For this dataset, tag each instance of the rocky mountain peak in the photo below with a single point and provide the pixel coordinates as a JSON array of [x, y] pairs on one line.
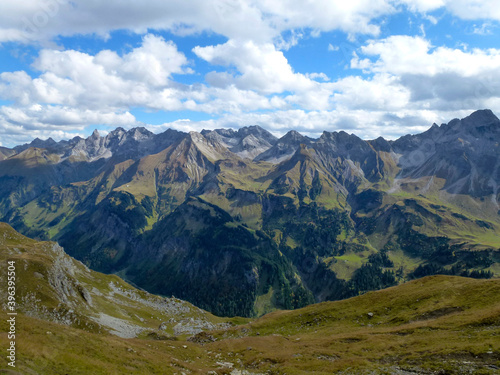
[[211, 148], [258, 132], [480, 118], [247, 142], [222, 132], [284, 148], [38, 143], [119, 131], [140, 133], [294, 136], [477, 124], [342, 142], [381, 144]]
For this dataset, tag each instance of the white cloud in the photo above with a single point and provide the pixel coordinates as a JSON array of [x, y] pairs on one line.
[[464, 9], [260, 67], [259, 20], [57, 117], [142, 78], [383, 92], [22, 125], [423, 5], [317, 76], [484, 29], [402, 54], [426, 78], [349, 16], [72, 78], [474, 9]]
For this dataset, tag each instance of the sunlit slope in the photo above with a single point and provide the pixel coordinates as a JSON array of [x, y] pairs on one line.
[[437, 324]]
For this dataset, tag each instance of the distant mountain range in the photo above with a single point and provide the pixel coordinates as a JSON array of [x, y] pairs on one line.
[[242, 223]]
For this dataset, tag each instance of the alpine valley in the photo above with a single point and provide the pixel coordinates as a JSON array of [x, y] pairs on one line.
[[241, 223]]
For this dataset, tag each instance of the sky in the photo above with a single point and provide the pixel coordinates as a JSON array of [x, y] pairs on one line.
[[369, 67]]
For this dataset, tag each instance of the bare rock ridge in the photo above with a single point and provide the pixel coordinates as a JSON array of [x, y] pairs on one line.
[[247, 142], [284, 148], [463, 152]]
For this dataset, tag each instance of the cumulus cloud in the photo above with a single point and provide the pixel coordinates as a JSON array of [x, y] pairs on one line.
[[20, 125], [142, 78], [74, 78], [260, 67], [382, 92], [401, 54], [474, 9], [464, 9], [436, 77], [423, 5], [259, 20], [263, 69]]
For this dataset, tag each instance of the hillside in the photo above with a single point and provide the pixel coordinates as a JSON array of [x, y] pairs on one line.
[[434, 325], [296, 220], [54, 287]]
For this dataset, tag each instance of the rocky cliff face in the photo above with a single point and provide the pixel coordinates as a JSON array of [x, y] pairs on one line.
[[247, 142], [465, 153], [283, 148]]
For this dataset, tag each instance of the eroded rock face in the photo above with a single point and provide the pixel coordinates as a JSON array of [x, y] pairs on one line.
[[465, 153], [61, 277], [284, 148], [248, 142]]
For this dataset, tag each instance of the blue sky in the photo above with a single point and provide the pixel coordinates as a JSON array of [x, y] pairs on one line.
[[369, 67]]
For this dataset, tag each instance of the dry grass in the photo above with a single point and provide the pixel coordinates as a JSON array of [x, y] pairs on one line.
[[439, 323]]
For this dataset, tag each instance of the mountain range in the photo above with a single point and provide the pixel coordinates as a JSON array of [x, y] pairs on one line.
[[243, 223]]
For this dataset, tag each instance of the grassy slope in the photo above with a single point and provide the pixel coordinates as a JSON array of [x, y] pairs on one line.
[[460, 214], [53, 286], [444, 323], [449, 324], [434, 323]]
